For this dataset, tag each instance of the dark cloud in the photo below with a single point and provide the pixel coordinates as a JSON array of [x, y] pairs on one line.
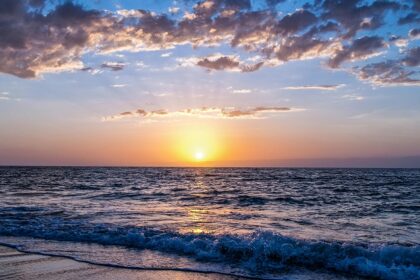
[[141, 112], [10, 8], [393, 72], [71, 15], [413, 57], [273, 3], [160, 112], [36, 3], [114, 66], [301, 47], [228, 63], [387, 73], [416, 5], [34, 41], [355, 15], [410, 18], [360, 48], [414, 33], [220, 63], [252, 67], [295, 22]]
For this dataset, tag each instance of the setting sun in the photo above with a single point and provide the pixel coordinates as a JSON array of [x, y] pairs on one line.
[[198, 144], [199, 156]]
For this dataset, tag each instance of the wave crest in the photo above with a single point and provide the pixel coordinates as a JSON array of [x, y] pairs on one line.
[[260, 252]]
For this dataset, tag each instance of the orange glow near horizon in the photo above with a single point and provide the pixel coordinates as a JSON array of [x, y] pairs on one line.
[[198, 145]]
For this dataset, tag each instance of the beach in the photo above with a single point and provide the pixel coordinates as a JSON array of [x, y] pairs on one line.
[[22, 266]]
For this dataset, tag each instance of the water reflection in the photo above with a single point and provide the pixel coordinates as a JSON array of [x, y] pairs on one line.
[[198, 216]]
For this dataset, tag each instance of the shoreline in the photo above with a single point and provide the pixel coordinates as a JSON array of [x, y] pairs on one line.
[[15, 264]]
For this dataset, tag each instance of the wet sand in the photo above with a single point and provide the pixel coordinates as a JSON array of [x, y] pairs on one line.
[[15, 265]]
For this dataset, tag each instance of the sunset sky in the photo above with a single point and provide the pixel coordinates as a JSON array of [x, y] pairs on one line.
[[214, 82]]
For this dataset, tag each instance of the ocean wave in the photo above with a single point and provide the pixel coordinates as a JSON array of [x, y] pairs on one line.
[[259, 252]]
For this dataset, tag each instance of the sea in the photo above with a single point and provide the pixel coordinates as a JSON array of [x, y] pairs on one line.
[[263, 223]]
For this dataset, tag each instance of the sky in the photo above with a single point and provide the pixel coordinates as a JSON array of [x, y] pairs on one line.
[[212, 82]]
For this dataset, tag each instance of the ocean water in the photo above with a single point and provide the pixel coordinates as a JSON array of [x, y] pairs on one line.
[[273, 223]]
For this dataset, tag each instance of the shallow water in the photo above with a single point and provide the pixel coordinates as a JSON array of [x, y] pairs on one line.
[[245, 221]]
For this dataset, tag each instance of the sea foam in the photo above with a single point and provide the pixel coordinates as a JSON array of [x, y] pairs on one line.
[[259, 253]]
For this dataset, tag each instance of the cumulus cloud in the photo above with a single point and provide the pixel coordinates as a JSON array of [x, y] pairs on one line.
[[354, 15], [413, 57], [410, 18], [259, 112], [361, 48], [35, 40], [315, 87], [32, 43], [393, 72], [387, 73], [414, 33]]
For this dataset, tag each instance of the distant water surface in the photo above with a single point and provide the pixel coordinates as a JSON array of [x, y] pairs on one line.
[[254, 222]]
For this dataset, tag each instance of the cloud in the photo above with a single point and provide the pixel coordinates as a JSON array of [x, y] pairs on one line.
[[36, 40], [231, 63], [119, 85], [402, 72], [252, 112], [33, 43], [273, 3], [399, 42], [5, 96], [413, 57], [173, 10], [414, 33], [220, 63], [315, 87], [295, 22], [361, 48], [167, 54], [353, 97], [354, 15], [91, 70], [114, 66], [389, 73], [242, 91], [206, 112], [410, 18]]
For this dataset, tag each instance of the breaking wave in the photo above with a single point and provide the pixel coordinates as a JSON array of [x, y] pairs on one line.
[[258, 253]]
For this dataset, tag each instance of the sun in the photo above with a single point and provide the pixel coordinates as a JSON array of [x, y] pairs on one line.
[[199, 156], [197, 145]]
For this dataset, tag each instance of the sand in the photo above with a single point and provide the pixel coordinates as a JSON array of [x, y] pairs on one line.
[[15, 265]]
